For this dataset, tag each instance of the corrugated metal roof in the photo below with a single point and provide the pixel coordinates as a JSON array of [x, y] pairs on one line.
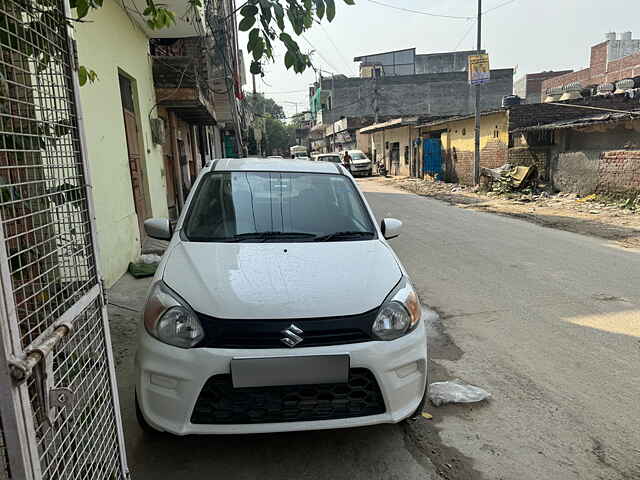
[[396, 122], [583, 122], [460, 117]]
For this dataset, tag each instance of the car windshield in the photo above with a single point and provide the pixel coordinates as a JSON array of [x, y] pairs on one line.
[[330, 158], [277, 207], [358, 156]]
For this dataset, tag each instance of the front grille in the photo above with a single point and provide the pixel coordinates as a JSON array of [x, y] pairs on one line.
[[224, 333], [221, 404]]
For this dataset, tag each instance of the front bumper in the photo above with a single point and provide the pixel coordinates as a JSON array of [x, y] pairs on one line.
[[169, 381]]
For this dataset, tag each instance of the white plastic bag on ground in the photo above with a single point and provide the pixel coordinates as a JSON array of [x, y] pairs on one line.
[[149, 258], [455, 391]]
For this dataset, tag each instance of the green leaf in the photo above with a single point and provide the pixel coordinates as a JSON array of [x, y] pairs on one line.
[[308, 20], [320, 8], [258, 49], [247, 23], [286, 39], [249, 11], [82, 8], [331, 9], [255, 68], [350, 2], [82, 75], [289, 59], [279, 12], [254, 35], [296, 20]]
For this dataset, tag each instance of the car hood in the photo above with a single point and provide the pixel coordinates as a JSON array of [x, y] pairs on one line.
[[282, 280]]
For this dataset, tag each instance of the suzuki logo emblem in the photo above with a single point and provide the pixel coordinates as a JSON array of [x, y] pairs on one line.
[[292, 336]]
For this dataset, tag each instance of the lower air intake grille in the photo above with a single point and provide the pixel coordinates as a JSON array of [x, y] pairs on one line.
[[220, 403]]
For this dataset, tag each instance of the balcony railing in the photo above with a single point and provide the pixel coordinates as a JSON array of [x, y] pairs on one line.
[[182, 80]]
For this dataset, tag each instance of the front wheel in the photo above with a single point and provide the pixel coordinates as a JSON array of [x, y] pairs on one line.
[[370, 172]]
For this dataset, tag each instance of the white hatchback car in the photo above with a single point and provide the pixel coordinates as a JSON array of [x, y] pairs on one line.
[[278, 306]]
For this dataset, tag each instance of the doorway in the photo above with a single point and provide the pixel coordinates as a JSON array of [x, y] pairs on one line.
[[395, 158], [133, 151]]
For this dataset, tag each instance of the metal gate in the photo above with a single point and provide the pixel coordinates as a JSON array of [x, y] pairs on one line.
[[432, 156], [59, 412]]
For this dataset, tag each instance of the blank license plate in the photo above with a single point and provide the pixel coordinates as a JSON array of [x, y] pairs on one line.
[[305, 370]]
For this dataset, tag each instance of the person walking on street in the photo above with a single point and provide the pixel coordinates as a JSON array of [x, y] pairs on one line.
[[346, 160]]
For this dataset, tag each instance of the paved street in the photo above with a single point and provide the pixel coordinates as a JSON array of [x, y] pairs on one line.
[[547, 321]]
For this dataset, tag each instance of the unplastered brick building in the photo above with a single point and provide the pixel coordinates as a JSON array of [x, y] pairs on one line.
[[615, 59]]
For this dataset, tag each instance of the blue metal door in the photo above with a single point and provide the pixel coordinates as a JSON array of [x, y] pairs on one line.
[[432, 161]]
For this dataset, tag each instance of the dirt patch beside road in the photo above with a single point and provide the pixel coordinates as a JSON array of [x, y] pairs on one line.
[[589, 215]]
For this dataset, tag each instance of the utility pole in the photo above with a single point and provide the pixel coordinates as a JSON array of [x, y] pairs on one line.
[[476, 160], [253, 78]]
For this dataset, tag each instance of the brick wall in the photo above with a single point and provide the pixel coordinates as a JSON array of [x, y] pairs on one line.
[[493, 155], [598, 62], [599, 71], [531, 157], [619, 172]]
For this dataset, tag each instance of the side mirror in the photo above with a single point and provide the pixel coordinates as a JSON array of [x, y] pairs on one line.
[[390, 227], [158, 228]]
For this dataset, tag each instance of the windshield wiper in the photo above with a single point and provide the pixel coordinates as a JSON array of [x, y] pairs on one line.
[[269, 235], [343, 235]]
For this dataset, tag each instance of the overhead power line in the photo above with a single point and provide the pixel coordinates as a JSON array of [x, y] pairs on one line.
[[342, 57], [498, 6], [466, 34], [288, 91], [438, 15], [320, 54], [419, 12]]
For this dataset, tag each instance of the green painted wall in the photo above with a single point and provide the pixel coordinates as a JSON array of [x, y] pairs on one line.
[[110, 44]]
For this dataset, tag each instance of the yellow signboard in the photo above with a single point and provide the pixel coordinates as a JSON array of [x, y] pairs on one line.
[[479, 69]]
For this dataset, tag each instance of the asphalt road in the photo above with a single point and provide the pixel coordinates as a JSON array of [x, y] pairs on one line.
[[547, 321]]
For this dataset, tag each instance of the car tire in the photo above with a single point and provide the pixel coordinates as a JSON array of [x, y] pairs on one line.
[[370, 172], [144, 425]]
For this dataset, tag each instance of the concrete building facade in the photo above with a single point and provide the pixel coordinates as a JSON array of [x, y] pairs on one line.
[[127, 171], [151, 120], [434, 94]]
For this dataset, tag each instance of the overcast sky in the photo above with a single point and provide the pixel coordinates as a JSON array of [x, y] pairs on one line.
[[527, 35]]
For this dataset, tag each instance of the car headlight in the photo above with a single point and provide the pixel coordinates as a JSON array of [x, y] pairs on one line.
[[399, 314], [170, 319]]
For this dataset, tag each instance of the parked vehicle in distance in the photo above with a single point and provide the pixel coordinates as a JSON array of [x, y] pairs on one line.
[[360, 163], [327, 157], [303, 157], [276, 157], [298, 151], [258, 322]]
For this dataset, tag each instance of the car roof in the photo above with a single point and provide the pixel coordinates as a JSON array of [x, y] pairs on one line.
[[270, 165]]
